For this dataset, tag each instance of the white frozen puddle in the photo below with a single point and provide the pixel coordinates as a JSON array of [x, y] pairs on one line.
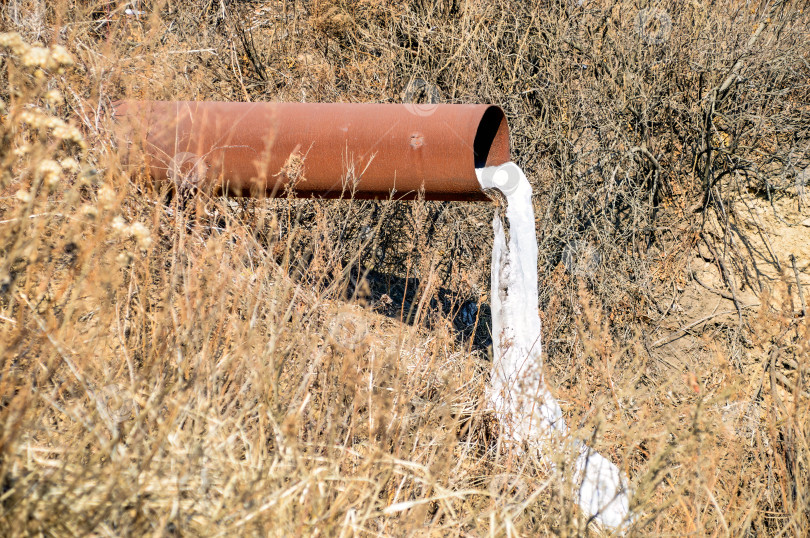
[[527, 411]]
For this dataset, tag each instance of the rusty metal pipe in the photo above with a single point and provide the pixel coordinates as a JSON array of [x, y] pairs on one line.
[[330, 150]]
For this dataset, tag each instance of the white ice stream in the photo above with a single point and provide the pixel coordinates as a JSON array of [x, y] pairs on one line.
[[529, 414]]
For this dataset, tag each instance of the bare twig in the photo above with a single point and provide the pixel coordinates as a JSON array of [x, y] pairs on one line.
[[687, 328], [726, 276], [721, 293], [772, 372], [798, 284], [733, 73]]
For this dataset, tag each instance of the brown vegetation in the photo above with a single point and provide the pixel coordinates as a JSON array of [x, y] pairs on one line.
[[195, 366]]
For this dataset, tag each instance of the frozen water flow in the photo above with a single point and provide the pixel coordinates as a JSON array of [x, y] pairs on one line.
[[526, 409], [500, 178]]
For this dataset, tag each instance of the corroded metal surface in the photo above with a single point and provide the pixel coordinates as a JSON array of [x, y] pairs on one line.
[[324, 149]]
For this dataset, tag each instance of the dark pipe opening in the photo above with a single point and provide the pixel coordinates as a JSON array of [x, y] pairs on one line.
[[491, 145]]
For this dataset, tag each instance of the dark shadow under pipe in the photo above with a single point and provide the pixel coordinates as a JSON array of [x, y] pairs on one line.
[[330, 150]]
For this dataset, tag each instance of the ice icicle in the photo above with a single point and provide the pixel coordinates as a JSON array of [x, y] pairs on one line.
[[527, 410]]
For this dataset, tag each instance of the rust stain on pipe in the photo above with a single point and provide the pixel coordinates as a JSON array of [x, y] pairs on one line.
[[252, 148]]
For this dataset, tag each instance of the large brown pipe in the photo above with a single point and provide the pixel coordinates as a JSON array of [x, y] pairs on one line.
[[259, 148]]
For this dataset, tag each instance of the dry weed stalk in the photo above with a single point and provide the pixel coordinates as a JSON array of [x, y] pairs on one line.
[[201, 366]]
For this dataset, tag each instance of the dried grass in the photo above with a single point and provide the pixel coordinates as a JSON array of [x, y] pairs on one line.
[[203, 366]]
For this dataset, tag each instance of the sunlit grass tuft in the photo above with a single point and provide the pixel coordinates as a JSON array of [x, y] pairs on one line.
[[203, 366]]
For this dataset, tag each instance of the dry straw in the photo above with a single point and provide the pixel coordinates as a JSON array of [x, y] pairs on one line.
[[294, 367]]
